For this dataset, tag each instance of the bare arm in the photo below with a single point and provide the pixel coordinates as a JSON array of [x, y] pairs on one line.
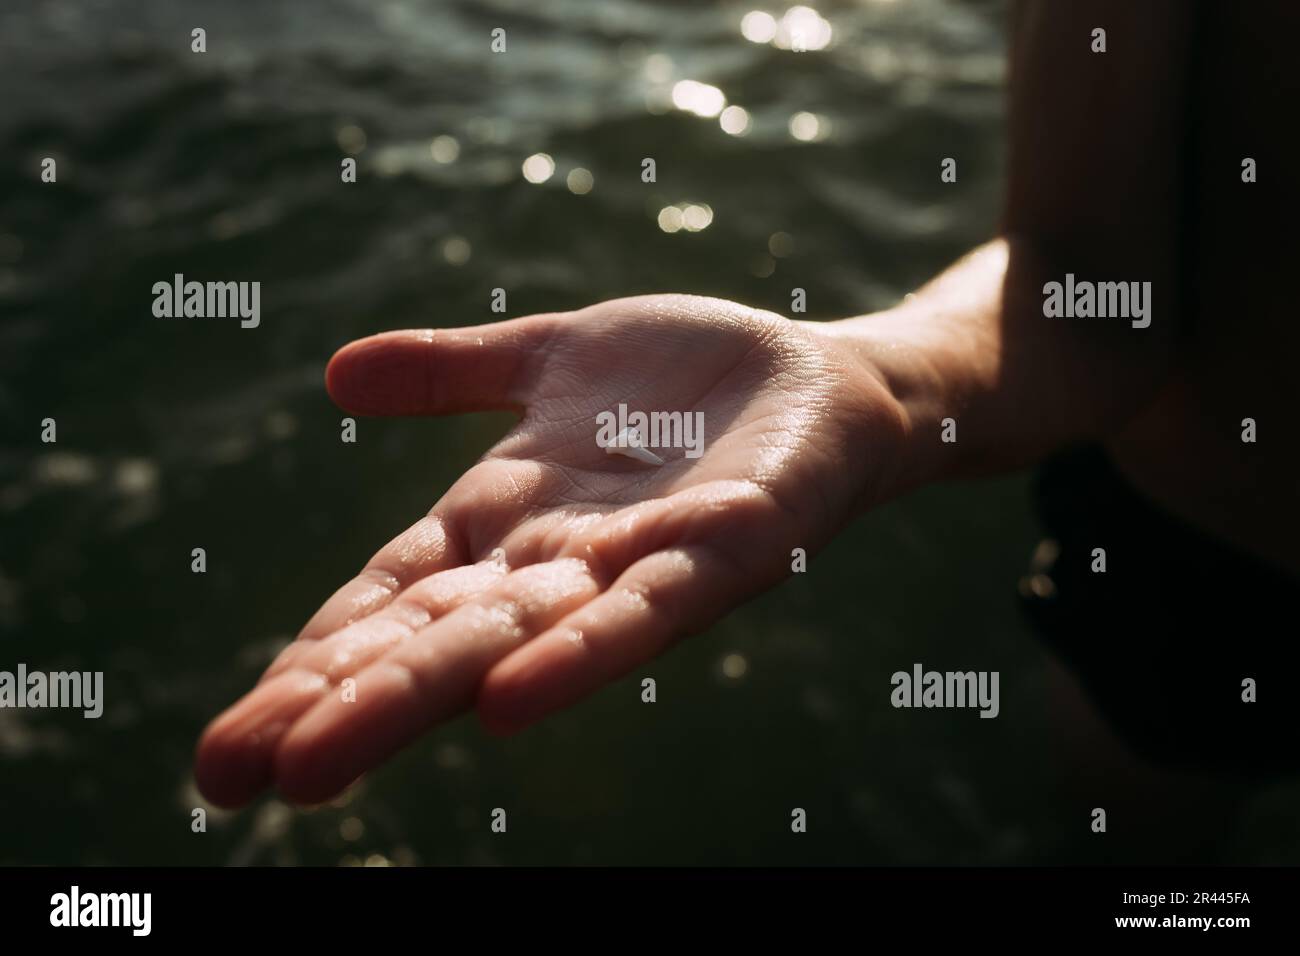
[[1095, 189], [552, 568]]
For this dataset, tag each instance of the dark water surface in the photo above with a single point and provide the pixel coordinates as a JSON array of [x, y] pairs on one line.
[[175, 434]]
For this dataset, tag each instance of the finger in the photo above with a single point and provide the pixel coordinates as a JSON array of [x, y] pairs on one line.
[[425, 548], [675, 580], [427, 678], [440, 371], [479, 512], [348, 651], [234, 758], [655, 602], [232, 763]]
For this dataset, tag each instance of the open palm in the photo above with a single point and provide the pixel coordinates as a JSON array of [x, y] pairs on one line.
[[552, 567]]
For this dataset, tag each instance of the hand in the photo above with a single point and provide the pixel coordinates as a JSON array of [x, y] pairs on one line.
[[601, 561]]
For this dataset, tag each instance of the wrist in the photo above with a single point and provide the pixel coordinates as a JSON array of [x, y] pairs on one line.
[[898, 403]]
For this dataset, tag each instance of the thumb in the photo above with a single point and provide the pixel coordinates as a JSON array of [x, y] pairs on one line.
[[441, 371]]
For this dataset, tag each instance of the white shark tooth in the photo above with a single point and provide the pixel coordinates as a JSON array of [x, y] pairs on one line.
[[628, 444]]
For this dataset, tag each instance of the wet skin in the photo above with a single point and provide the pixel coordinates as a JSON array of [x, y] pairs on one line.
[[607, 560], [1131, 175]]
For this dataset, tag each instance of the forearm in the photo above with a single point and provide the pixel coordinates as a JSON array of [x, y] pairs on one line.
[[1094, 189], [974, 346]]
